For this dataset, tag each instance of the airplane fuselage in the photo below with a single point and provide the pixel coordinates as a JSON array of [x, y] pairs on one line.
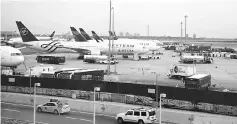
[[119, 47], [11, 57], [151, 45]]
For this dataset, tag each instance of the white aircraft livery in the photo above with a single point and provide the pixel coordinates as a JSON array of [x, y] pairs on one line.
[[82, 48], [84, 37], [14, 41], [11, 57]]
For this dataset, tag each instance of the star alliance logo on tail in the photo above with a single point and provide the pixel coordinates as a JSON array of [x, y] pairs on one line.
[[24, 31]]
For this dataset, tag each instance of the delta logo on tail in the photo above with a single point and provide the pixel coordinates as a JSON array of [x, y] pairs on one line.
[[96, 37], [77, 35], [85, 34]]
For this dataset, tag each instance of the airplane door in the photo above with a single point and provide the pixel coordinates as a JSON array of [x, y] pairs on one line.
[[4, 57]]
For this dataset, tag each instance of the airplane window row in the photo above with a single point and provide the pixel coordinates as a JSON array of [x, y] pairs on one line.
[[16, 54], [144, 43]]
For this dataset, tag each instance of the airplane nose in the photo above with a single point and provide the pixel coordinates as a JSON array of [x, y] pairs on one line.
[[145, 50], [20, 59]]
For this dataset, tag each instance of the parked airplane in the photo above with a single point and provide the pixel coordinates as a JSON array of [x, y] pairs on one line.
[[15, 41], [152, 46], [82, 48], [11, 57], [77, 35]]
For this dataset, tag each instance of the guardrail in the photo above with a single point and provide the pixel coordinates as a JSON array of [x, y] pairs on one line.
[[124, 98]]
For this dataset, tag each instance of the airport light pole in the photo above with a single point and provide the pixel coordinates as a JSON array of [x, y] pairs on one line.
[[30, 79], [35, 85], [113, 41], [95, 89], [185, 29], [181, 36], [108, 72], [181, 31], [156, 85], [148, 30], [161, 95]]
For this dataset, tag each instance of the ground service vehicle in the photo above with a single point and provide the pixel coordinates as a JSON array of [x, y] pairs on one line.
[[196, 59], [50, 59], [148, 56], [106, 61], [181, 71], [233, 56], [99, 59], [55, 106], [139, 115], [198, 81]]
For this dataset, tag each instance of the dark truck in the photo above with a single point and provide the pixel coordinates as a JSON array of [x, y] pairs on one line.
[[198, 81], [51, 59]]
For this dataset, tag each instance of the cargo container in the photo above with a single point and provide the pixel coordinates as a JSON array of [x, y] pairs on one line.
[[37, 70], [198, 81], [83, 74], [181, 71]]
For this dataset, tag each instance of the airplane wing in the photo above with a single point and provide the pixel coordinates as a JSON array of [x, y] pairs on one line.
[[78, 50], [20, 48], [7, 43]]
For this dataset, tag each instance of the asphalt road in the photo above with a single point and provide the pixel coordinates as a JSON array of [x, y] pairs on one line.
[[26, 113]]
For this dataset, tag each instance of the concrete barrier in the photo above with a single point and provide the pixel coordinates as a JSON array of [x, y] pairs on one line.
[[109, 108]]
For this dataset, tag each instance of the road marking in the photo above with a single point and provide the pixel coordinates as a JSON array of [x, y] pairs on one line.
[[17, 104], [71, 118], [71, 111], [25, 120], [11, 110], [86, 120], [107, 115], [92, 113]]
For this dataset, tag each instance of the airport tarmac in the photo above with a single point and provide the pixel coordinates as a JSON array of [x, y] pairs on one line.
[[232, 45], [223, 71]]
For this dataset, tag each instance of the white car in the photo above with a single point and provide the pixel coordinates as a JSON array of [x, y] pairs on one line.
[[106, 61], [54, 107], [139, 115]]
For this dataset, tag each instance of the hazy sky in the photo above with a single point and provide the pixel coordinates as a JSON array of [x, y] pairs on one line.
[[206, 18]]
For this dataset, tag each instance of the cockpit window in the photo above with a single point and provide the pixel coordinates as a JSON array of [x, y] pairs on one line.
[[16, 54]]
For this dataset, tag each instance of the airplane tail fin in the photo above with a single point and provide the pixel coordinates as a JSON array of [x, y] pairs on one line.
[[52, 34], [26, 35], [78, 37], [115, 37], [97, 38], [85, 34]]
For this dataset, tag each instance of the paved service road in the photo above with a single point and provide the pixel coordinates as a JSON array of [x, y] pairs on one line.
[[26, 113]]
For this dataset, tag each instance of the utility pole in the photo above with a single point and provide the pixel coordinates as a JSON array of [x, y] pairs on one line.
[[108, 72]]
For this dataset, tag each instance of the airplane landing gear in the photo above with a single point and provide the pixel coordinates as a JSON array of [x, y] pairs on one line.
[[80, 57]]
